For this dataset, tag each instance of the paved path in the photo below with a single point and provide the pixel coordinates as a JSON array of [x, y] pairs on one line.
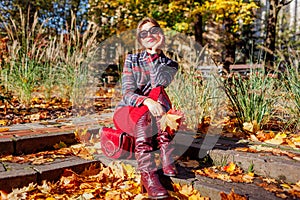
[[36, 137]]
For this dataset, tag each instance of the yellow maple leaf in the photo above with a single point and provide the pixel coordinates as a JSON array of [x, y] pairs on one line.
[[229, 168], [186, 190], [169, 120], [251, 126], [113, 195], [130, 170], [275, 141], [50, 198], [232, 195], [248, 178], [280, 136], [3, 122], [285, 185], [3, 129], [296, 140]]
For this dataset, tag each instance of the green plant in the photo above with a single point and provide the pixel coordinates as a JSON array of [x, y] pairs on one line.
[[252, 98], [251, 167], [195, 96], [52, 64], [20, 73], [292, 85], [23, 78], [221, 160]]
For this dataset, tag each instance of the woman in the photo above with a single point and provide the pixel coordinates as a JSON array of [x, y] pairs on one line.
[[144, 77]]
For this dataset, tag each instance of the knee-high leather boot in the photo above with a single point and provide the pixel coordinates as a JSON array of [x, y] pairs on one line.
[[145, 159], [166, 150]]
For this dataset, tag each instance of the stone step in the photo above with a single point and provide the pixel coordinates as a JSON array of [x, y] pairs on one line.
[[16, 175], [34, 137], [20, 175], [206, 186], [221, 151]]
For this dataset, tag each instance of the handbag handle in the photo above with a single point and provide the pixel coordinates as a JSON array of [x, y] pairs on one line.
[[112, 153]]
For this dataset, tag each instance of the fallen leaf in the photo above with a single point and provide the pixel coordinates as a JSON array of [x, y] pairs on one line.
[[60, 145], [87, 196], [169, 120], [278, 139], [262, 135], [269, 180], [113, 195], [230, 168], [3, 122], [248, 178], [281, 195], [50, 198], [3, 129], [251, 126], [223, 177], [296, 141], [254, 138], [285, 185], [186, 192], [298, 183], [232, 196], [189, 163], [3, 195]]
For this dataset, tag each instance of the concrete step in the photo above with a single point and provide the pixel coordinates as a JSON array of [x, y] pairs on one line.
[[20, 175], [206, 186], [15, 175], [221, 151], [34, 137]]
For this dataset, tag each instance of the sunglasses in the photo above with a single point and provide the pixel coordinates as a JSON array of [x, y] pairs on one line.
[[153, 30]]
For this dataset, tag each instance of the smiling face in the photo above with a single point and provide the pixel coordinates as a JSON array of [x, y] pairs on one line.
[[149, 35]]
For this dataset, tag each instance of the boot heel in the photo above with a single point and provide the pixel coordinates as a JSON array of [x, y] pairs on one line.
[[143, 189], [152, 185]]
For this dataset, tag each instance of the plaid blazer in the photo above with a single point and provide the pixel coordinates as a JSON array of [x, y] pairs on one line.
[[141, 73]]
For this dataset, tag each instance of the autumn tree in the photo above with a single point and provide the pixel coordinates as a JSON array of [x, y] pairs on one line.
[[117, 16], [224, 22], [274, 7], [58, 12]]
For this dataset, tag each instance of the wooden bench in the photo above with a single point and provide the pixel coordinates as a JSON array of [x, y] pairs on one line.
[[244, 69], [207, 71]]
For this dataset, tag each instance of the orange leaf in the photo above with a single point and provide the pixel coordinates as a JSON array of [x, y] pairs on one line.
[[229, 168], [231, 196], [3, 195], [3, 129], [170, 120]]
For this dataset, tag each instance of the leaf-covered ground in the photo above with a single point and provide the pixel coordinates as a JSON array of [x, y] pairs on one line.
[[115, 181], [40, 109], [121, 181], [233, 173]]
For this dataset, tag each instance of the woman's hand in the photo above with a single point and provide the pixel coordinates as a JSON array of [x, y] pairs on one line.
[[158, 46], [154, 107]]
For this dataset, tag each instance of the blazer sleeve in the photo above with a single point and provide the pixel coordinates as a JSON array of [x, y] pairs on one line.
[[129, 85]]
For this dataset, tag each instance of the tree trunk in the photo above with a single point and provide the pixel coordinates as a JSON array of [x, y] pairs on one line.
[[230, 45], [274, 7], [229, 55], [199, 29], [271, 33]]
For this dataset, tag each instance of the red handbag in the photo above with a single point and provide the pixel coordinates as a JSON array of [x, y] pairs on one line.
[[116, 143]]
